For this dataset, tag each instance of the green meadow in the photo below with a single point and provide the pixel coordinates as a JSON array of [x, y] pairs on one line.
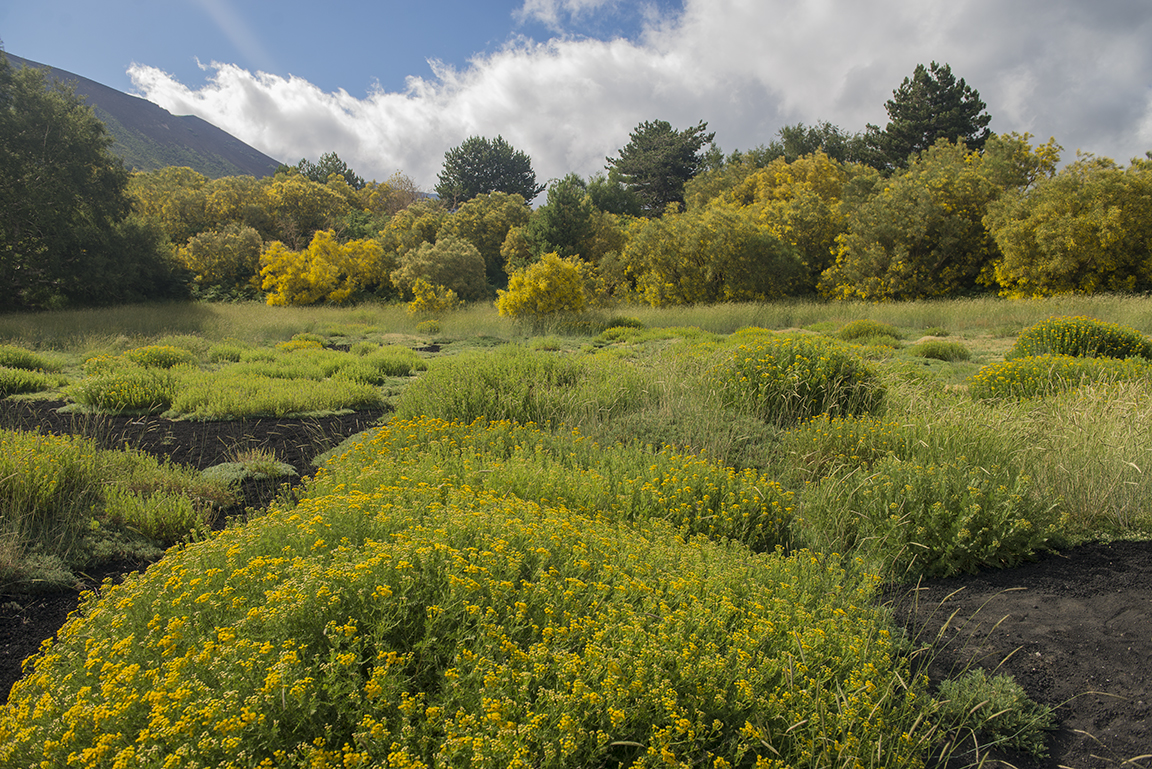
[[650, 538]]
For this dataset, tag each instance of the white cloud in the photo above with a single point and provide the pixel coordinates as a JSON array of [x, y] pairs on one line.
[[1079, 70]]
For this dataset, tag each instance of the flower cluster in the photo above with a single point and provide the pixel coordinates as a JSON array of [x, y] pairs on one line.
[[1080, 336], [1039, 375], [417, 624]]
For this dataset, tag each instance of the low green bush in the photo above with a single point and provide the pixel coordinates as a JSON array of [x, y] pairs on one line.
[[997, 712], [1080, 336], [12, 356], [126, 388], [937, 349], [1040, 375], [14, 381], [233, 393], [786, 378], [905, 519], [160, 356], [864, 329]]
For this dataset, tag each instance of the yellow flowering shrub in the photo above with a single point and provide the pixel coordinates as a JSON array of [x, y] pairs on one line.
[[1035, 376], [547, 287], [1080, 336], [418, 625], [429, 300]]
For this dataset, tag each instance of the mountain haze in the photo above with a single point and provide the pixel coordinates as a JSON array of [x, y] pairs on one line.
[[148, 137]]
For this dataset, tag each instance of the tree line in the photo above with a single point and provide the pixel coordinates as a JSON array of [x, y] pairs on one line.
[[931, 205]]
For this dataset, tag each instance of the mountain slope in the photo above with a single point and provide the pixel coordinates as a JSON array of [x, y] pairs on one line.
[[148, 137]]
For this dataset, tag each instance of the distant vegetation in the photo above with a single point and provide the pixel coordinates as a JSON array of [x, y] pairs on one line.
[[931, 205]]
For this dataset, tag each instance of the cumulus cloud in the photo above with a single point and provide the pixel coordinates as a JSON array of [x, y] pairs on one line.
[[1078, 70]]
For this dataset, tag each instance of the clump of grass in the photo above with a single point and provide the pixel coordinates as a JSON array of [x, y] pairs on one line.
[[14, 357], [430, 327], [160, 356], [259, 464], [233, 393], [14, 381], [118, 388], [1041, 375], [1080, 336], [786, 378], [936, 331], [936, 349], [300, 344], [864, 329], [516, 383]]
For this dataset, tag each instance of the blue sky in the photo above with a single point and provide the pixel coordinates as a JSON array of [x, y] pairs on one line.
[[391, 86]]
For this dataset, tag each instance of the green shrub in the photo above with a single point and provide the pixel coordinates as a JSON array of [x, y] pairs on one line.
[[383, 363], [227, 352], [863, 329], [786, 378], [423, 626], [233, 393], [906, 519], [997, 711], [937, 349], [160, 517], [127, 388], [1040, 375], [14, 381], [160, 356], [1080, 336], [12, 356], [936, 331]]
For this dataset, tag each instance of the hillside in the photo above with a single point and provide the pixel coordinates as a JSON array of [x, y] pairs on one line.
[[149, 137]]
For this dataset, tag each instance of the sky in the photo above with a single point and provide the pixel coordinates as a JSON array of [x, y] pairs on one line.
[[391, 86]]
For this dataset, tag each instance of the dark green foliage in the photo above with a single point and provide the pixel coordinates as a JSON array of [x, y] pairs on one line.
[[997, 710], [564, 224], [610, 194], [658, 160], [65, 235], [330, 163], [482, 165], [929, 106], [1082, 337], [799, 140]]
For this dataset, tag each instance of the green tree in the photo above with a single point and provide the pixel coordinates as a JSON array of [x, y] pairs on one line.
[[481, 165], [329, 163], [715, 255], [63, 202], [921, 235], [609, 194], [658, 160], [805, 203], [484, 221], [550, 286], [799, 140], [226, 259], [450, 262], [927, 107], [565, 224], [1083, 230]]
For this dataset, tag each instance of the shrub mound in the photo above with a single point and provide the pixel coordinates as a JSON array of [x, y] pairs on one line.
[[907, 519], [787, 378], [937, 349], [419, 625], [1082, 337], [1040, 375], [867, 329]]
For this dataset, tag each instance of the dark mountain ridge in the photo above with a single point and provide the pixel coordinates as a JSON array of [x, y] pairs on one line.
[[147, 136]]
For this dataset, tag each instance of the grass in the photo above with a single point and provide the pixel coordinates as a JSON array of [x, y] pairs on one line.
[[596, 541]]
